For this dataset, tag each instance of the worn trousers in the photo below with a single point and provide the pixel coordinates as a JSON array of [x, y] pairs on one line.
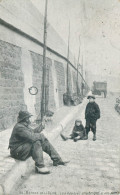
[[90, 124], [35, 150]]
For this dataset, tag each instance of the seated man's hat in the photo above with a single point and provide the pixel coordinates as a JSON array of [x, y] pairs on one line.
[[22, 115]]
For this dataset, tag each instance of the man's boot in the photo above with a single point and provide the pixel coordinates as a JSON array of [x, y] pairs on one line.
[[42, 170], [94, 137]]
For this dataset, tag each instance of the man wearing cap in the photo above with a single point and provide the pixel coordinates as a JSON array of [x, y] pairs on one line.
[[25, 142], [92, 113]]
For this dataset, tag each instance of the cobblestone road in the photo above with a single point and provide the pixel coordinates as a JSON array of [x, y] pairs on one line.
[[93, 167]]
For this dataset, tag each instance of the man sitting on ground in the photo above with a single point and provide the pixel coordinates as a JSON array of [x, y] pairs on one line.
[[25, 142]]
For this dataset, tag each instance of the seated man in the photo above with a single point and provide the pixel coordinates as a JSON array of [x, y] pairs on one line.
[[25, 142]]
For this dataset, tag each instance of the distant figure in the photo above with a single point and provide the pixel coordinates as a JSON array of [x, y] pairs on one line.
[[25, 142], [78, 132], [92, 113]]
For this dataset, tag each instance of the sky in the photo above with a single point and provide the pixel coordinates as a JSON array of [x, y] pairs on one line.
[[97, 23]]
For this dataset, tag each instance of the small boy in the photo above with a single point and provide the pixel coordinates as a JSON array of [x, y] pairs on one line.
[[78, 132], [92, 113]]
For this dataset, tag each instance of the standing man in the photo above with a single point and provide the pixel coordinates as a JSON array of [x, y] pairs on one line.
[[25, 142], [92, 114]]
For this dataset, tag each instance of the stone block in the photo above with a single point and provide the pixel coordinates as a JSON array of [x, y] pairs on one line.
[[11, 77]]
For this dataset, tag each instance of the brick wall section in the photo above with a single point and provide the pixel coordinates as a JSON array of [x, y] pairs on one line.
[[60, 80], [51, 88], [37, 62], [11, 84]]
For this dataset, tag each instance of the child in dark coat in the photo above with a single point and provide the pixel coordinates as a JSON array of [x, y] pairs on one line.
[[92, 114], [78, 132]]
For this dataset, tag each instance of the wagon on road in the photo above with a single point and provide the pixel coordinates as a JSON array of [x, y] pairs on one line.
[[99, 88]]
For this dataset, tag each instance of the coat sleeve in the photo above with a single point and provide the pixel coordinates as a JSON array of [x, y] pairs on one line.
[[27, 133], [97, 111]]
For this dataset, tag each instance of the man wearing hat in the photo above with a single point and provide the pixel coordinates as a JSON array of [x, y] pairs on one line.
[[92, 113], [25, 142]]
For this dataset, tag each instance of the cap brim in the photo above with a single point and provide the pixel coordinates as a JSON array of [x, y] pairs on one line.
[[90, 97]]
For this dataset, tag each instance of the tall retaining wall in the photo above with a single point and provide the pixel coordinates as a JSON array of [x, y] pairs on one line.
[[21, 61]]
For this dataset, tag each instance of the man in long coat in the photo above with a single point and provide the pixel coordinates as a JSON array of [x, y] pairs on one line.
[[25, 142]]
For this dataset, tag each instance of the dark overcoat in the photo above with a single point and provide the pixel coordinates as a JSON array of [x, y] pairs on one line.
[[92, 111]]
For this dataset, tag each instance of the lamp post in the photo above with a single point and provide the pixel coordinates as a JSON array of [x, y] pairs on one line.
[[68, 91], [78, 70], [44, 75], [67, 72]]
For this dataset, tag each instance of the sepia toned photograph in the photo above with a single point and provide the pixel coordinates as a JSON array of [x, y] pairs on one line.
[[59, 97]]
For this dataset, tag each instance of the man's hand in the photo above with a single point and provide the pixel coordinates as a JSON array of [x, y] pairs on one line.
[[39, 128]]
